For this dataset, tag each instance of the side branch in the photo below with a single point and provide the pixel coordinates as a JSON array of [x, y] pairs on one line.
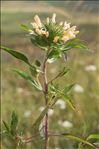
[[56, 77]]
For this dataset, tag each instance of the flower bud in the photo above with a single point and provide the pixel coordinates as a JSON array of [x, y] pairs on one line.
[[47, 21], [53, 18]]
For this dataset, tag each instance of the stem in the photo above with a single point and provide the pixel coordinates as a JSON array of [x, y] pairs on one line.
[[57, 76], [46, 99]]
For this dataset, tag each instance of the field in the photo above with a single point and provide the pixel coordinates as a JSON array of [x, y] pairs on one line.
[[20, 96]]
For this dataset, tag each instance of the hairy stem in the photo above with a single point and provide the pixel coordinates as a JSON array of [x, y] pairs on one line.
[[46, 98]]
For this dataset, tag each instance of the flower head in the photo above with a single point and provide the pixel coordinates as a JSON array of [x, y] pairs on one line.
[[50, 32]]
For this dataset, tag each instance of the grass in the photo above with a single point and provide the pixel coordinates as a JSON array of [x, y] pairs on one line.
[[20, 96]]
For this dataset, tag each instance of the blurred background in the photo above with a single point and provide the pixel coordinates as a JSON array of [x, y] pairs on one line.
[[20, 96]]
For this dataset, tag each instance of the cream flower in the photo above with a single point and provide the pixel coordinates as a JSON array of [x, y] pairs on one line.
[[56, 38], [47, 20], [66, 25], [38, 21], [53, 18], [38, 31]]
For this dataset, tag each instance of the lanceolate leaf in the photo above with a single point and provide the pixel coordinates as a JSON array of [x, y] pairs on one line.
[[16, 54], [65, 71], [69, 102], [14, 123], [80, 140], [25, 28], [34, 71], [27, 77], [68, 88], [6, 126], [93, 136], [75, 43], [40, 118]]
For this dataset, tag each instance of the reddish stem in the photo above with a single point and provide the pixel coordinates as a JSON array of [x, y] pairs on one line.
[[46, 99]]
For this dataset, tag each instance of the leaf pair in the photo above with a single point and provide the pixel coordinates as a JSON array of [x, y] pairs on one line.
[[28, 77], [59, 93], [23, 58]]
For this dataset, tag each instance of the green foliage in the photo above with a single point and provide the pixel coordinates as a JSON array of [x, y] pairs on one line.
[[14, 123], [11, 129], [16, 54], [37, 63], [80, 140], [68, 88], [93, 136], [25, 27], [28, 77]]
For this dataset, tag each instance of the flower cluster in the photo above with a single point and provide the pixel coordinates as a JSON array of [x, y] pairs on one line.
[[51, 32]]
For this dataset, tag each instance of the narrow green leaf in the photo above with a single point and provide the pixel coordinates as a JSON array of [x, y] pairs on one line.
[[6, 126], [93, 136], [65, 71], [68, 88], [80, 140], [39, 119], [41, 116], [27, 77], [14, 123], [16, 54], [33, 70], [25, 28], [69, 102]]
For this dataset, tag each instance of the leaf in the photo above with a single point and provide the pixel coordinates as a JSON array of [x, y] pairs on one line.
[[41, 116], [14, 123], [16, 54], [25, 28], [33, 70], [6, 126], [67, 100], [54, 54], [38, 63], [27, 77], [68, 88], [65, 71], [75, 43], [93, 136], [80, 140], [39, 119]]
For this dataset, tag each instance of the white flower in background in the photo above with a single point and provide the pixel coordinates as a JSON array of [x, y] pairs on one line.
[[67, 124], [27, 113], [91, 68], [78, 88], [50, 111], [20, 90], [61, 103]]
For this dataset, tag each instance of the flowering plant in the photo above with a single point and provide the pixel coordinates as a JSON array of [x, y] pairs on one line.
[[55, 39]]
